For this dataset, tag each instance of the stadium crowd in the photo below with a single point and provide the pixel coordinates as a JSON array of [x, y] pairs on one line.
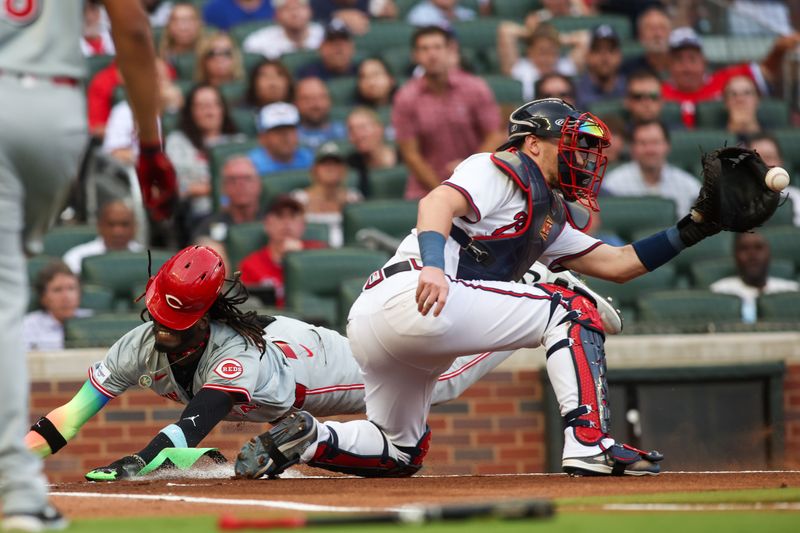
[[279, 115]]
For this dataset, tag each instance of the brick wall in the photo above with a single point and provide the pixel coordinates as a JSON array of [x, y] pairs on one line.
[[496, 427]]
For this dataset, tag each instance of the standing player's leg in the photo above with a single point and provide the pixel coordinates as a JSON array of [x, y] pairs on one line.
[[42, 134]]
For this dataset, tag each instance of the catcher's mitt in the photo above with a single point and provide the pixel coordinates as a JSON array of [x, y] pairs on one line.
[[734, 196]]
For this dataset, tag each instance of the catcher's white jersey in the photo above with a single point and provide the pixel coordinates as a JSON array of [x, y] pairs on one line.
[[304, 367]]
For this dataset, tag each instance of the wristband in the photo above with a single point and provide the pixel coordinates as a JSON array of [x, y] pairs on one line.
[[655, 250], [431, 248], [50, 434], [149, 148]]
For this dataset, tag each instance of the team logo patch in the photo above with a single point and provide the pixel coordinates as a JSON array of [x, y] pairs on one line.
[[101, 372], [560, 122], [229, 369], [173, 302], [547, 225]]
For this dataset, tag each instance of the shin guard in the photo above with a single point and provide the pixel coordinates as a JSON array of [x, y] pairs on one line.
[[330, 457]]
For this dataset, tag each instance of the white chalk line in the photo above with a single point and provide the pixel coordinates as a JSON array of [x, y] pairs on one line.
[[702, 507], [272, 504]]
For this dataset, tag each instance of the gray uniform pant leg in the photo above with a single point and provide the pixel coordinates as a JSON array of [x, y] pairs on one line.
[[42, 134]]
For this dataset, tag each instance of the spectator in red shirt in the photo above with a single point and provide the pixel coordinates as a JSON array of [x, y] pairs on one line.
[[100, 98], [689, 84], [284, 225], [443, 116]]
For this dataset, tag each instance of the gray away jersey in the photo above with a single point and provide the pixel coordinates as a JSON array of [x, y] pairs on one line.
[[42, 37], [303, 366]]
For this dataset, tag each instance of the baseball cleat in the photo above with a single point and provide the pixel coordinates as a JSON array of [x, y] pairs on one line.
[[48, 519], [618, 460], [611, 317], [270, 453]]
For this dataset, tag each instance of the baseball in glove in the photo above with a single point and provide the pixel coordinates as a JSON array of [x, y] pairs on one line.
[[734, 195]]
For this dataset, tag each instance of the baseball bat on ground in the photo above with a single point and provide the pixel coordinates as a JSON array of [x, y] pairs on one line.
[[503, 510]]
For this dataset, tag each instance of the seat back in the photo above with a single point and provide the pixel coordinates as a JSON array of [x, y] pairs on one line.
[[704, 273], [60, 239], [690, 307], [779, 307], [122, 272], [98, 331], [626, 294], [784, 243], [623, 215], [393, 217], [387, 183], [97, 298]]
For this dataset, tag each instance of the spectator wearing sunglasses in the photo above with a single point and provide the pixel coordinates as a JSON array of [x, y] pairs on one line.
[[218, 61], [643, 101], [602, 79]]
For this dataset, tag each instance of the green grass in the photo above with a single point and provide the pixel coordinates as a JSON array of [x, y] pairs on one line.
[[729, 522]]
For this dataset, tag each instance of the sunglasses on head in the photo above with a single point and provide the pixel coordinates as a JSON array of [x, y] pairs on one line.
[[220, 52], [645, 96]]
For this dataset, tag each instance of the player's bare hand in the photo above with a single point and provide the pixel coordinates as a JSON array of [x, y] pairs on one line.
[[432, 290]]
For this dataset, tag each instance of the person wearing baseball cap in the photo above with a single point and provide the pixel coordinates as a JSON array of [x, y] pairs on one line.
[[325, 199], [689, 83], [336, 54], [602, 79], [277, 134]]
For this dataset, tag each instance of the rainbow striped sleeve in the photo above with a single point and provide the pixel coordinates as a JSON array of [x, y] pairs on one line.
[[70, 417]]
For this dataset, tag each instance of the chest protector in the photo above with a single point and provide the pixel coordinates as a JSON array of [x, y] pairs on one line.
[[508, 253]]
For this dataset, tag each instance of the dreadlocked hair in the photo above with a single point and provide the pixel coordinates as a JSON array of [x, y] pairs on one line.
[[247, 324]]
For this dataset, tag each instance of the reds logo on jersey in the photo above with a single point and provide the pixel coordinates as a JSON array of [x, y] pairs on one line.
[[229, 369]]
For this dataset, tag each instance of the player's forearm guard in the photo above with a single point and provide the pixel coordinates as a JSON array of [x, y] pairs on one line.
[[431, 248], [660, 248]]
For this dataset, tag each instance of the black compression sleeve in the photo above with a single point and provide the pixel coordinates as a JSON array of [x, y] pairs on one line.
[[204, 412]]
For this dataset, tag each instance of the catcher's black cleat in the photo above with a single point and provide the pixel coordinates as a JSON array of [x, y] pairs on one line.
[[279, 448], [618, 460], [48, 519]]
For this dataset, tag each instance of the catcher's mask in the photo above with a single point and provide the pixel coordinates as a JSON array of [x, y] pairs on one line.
[[185, 288], [582, 138]]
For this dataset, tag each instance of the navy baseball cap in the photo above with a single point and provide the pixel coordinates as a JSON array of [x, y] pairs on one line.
[[684, 37], [604, 32], [336, 29]]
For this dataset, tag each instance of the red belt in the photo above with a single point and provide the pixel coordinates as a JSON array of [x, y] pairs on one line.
[[299, 390], [391, 270], [55, 80]]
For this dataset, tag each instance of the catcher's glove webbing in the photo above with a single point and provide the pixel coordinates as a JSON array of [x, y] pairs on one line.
[[734, 194]]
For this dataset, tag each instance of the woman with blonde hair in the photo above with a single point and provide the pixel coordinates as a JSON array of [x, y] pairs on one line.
[[219, 60], [181, 34]]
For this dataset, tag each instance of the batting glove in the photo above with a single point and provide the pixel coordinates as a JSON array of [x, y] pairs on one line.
[[157, 181], [124, 468]]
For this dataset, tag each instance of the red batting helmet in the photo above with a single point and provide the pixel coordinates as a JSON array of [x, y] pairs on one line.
[[185, 288]]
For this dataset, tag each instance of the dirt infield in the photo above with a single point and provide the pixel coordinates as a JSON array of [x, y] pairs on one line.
[[127, 498]]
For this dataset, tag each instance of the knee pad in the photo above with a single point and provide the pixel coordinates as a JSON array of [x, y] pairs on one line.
[[585, 339], [330, 457]]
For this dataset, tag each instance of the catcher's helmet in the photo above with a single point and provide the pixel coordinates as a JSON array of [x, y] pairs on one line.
[[582, 137], [185, 288]]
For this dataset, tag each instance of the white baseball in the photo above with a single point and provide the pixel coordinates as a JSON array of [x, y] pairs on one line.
[[777, 179]]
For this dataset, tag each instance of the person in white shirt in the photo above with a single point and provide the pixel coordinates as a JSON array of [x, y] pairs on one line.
[[751, 252], [649, 174], [295, 31], [59, 294], [116, 226]]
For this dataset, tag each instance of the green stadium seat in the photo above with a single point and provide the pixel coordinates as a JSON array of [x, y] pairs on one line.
[[98, 331], [779, 307], [605, 108], [250, 61], [626, 294], [393, 217], [784, 242], [771, 111], [97, 298], [233, 92], [398, 59], [169, 123], [387, 183], [217, 156], [620, 23], [514, 10], [294, 61], [61, 238], [312, 279], [383, 35], [245, 120], [624, 215], [184, 65], [688, 145], [349, 291], [342, 90], [706, 272], [506, 90], [689, 307], [36, 264], [480, 33], [671, 114], [788, 140], [122, 272], [283, 182], [783, 216]]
